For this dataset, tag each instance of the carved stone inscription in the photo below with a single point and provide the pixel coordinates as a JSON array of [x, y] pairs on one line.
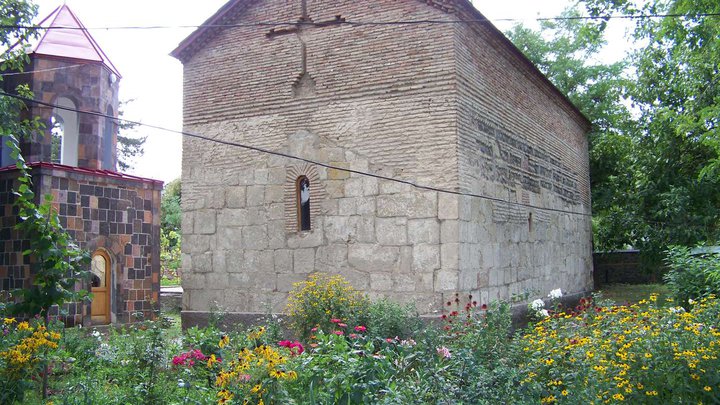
[[506, 158]]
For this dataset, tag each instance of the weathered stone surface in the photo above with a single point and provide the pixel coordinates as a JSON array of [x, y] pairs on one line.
[[254, 237], [426, 257], [205, 222], [372, 257], [235, 197], [391, 231], [423, 231], [448, 206], [283, 261], [255, 195], [305, 239], [304, 260]]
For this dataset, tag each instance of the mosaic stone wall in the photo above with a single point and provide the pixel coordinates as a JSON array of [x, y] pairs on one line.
[[116, 213]]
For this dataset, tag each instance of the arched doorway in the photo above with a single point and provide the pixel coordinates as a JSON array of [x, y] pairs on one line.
[[100, 287]]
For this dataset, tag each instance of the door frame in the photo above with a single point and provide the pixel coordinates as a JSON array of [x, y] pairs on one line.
[[108, 283]]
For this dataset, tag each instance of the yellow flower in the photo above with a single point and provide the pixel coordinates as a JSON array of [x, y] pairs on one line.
[[24, 326], [707, 388], [9, 321], [619, 397], [224, 341]]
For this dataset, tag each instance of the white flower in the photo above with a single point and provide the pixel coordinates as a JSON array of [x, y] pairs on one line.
[[96, 333], [544, 313], [556, 293], [538, 304], [691, 301]]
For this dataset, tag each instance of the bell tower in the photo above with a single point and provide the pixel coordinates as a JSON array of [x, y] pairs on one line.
[[69, 70]]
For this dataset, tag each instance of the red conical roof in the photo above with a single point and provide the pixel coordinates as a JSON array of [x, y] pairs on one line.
[[67, 37]]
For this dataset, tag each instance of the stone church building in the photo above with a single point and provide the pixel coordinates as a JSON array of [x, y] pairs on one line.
[[114, 216], [448, 104]]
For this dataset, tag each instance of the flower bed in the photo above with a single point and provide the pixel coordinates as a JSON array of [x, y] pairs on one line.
[[645, 353]]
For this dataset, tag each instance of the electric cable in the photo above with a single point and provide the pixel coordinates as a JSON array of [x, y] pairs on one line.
[[299, 158], [370, 23]]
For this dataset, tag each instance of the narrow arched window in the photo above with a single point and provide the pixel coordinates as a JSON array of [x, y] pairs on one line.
[[56, 132], [302, 186], [65, 133]]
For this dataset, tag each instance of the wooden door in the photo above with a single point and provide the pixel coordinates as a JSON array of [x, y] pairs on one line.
[[100, 287]]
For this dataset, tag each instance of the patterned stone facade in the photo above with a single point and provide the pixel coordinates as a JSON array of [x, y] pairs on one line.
[[117, 214], [453, 106], [90, 87]]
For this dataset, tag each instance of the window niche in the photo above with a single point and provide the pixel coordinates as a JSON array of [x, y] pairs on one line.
[[64, 133], [302, 186]]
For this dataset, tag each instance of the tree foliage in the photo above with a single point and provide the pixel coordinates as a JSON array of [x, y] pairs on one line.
[[170, 220], [128, 147], [654, 143]]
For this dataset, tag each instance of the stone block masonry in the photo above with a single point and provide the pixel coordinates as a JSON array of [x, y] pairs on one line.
[[106, 211], [452, 106]]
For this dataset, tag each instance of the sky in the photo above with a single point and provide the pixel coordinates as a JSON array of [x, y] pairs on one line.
[[152, 79]]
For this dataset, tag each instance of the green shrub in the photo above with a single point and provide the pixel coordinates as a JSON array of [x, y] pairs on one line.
[[320, 299], [385, 318], [692, 276]]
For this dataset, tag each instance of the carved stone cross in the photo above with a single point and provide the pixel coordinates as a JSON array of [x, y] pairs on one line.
[[304, 85]]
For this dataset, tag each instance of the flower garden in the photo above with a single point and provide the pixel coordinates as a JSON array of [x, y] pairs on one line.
[[339, 347]]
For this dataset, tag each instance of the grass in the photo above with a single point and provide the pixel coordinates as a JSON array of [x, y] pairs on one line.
[[166, 282], [632, 293]]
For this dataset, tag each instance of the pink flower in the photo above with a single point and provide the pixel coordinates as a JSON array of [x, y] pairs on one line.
[[339, 332], [353, 336], [360, 329], [299, 349], [336, 320], [313, 329], [444, 352], [342, 325], [245, 377]]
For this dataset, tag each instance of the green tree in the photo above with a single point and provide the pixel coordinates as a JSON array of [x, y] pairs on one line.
[[170, 239], [654, 172], [128, 147]]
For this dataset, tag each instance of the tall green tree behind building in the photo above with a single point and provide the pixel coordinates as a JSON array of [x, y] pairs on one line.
[[654, 143]]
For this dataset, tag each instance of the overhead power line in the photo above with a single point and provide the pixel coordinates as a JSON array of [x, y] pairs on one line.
[[294, 157], [39, 70], [369, 23]]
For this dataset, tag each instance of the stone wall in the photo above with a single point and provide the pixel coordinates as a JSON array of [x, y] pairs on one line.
[[391, 100], [519, 141], [116, 213], [89, 87]]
